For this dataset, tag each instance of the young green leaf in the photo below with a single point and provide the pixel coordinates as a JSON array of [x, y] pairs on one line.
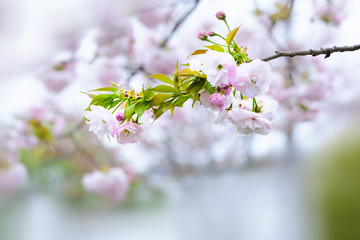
[[186, 72], [163, 108], [129, 112], [105, 89], [159, 98], [148, 94], [178, 102], [163, 89], [141, 107], [99, 99], [163, 78], [195, 87], [231, 35], [176, 78], [209, 88], [198, 52], [216, 48]]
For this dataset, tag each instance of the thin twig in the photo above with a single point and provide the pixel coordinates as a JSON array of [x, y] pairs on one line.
[[178, 24], [326, 51]]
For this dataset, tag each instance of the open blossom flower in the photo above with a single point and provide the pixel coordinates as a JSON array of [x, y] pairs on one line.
[[112, 184], [128, 132], [101, 121], [219, 67], [216, 101], [58, 76], [247, 122], [252, 78]]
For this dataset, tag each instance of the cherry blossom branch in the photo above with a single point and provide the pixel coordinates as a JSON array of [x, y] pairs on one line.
[[326, 51]]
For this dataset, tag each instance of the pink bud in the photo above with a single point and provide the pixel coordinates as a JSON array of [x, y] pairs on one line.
[[211, 34], [202, 35], [220, 15], [120, 116], [217, 99]]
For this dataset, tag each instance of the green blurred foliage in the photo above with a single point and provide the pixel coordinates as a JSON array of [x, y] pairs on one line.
[[335, 188]]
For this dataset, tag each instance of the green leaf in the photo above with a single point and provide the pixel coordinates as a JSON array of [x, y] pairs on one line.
[[114, 84], [89, 94], [176, 79], [114, 103], [231, 35], [105, 89], [216, 48], [172, 111], [198, 52], [186, 72], [141, 107], [180, 101], [129, 112], [163, 108], [164, 89], [209, 88], [163, 78], [148, 94], [159, 98], [99, 99], [195, 87]]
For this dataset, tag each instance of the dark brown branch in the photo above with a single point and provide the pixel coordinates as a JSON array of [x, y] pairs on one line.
[[326, 51], [178, 24]]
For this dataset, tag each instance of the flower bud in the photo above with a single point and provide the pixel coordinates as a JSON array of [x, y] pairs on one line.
[[220, 15], [202, 35], [217, 99], [120, 116], [211, 34]]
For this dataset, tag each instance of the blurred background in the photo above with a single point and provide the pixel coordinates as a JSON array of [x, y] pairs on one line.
[[187, 178]]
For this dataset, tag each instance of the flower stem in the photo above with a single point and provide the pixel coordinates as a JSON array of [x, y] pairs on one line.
[[220, 36], [227, 25], [215, 43]]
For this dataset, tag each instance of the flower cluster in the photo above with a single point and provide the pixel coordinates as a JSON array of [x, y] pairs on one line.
[[112, 184], [221, 77]]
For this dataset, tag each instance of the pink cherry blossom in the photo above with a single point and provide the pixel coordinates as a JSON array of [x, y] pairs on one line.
[[12, 177], [218, 100], [101, 121], [220, 68], [107, 70], [112, 184], [247, 122], [58, 76], [252, 78], [120, 116], [128, 132]]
